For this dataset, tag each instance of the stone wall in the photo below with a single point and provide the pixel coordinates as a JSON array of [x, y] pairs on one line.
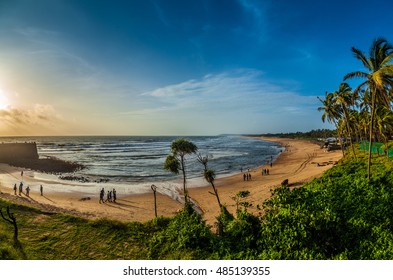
[[10, 152]]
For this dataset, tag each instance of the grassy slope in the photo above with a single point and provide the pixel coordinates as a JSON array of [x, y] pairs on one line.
[[57, 236]]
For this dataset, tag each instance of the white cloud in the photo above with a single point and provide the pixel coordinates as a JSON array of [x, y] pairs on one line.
[[41, 119], [241, 101]]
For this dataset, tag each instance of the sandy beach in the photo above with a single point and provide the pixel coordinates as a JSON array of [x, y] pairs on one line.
[[301, 161]]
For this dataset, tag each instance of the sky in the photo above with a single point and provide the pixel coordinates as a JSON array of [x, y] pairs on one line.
[[177, 67]]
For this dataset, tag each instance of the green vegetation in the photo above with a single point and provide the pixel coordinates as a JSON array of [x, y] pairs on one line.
[[365, 112], [309, 135], [341, 215]]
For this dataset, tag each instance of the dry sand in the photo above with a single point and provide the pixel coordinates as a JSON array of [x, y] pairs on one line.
[[301, 162]]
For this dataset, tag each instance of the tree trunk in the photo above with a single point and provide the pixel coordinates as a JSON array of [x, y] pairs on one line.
[[216, 193], [339, 137], [350, 134], [184, 180], [154, 188], [371, 135]]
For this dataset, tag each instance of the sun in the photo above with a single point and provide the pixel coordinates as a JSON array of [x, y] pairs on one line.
[[3, 100]]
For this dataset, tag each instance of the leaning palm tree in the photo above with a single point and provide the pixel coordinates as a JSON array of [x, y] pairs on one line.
[[343, 98], [378, 80], [210, 175], [177, 162]]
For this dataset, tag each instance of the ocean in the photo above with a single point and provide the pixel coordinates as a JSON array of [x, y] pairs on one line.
[[136, 162]]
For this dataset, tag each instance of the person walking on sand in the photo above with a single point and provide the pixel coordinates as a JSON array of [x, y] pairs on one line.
[[114, 196], [108, 196], [41, 190], [102, 194], [20, 188], [27, 191], [15, 189]]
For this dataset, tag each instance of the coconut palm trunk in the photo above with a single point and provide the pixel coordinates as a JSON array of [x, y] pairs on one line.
[[371, 135]]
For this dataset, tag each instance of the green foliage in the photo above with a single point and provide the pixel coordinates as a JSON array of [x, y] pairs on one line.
[[172, 164], [340, 215], [183, 147], [176, 161], [209, 175], [237, 198], [311, 135], [185, 236]]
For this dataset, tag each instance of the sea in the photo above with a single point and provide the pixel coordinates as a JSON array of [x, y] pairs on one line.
[[133, 163]]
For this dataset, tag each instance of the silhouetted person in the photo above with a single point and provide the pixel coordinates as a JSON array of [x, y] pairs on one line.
[[15, 189], [102, 194], [109, 196], [41, 190], [114, 196]]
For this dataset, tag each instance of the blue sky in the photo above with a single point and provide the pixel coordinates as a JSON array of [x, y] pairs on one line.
[[177, 67]]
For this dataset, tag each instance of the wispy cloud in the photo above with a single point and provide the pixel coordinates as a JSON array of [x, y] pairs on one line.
[[245, 89], [227, 101], [40, 119]]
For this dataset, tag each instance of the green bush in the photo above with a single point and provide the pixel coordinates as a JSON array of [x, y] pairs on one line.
[[185, 236]]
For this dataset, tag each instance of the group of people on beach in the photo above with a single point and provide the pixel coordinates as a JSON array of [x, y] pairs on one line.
[[111, 196], [247, 176], [265, 171], [20, 189]]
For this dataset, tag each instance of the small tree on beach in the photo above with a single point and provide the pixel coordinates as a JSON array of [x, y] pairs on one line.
[[238, 197], [209, 175], [176, 161]]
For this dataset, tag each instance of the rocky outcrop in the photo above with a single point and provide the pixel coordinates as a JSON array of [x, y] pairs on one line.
[[25, 155], [15, 151]]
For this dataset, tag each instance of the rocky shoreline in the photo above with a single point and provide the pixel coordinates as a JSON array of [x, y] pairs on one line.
[[50, 165], [83, 179]]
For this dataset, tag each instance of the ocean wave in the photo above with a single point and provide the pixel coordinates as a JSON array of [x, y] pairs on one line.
[[141, 159]]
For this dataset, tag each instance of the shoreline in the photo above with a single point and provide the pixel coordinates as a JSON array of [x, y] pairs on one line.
[[298, 164]]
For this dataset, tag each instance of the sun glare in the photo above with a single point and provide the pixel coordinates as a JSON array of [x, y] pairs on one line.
[[3, 100]]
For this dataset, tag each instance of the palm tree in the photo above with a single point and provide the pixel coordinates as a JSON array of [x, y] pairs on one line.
[[378, 79], [176, 161], [343, 98], [209, 175], [331, 112]]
